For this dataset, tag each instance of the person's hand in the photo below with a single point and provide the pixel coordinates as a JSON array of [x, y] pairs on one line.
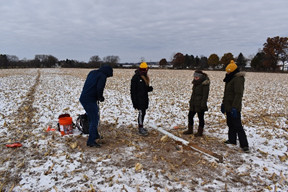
[[222, 108], [234, 112], [150, 88], [101, 99]]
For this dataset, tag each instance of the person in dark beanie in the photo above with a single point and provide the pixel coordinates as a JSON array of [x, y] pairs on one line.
[[92, 93], [232, 104], [139, 94], [198, 102]]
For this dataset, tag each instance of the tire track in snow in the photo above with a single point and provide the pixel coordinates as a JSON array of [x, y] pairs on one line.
[[10, 173], [22, 119], [25, 113]]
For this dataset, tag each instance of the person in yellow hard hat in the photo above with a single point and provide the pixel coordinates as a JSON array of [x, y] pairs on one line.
[[232, 104], [140, 86]]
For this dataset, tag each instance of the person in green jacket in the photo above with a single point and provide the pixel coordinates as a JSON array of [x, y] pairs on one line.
[[232, 104], [198, 102]]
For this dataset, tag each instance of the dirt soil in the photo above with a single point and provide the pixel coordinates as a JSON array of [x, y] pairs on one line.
[[177, 161], [156, 153]]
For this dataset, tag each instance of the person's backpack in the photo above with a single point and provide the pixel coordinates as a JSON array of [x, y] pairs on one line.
[[82, 123]]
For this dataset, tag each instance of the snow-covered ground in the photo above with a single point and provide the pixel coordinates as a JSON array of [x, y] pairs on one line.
[[32, 100]]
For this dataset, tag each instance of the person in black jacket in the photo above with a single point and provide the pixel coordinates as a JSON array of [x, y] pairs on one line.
[[139, 94], [91, 93]]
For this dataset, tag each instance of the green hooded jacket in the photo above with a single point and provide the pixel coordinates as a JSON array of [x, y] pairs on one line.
[[233, 92], [199, 97]]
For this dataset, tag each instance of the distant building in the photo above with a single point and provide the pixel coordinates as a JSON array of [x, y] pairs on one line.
[[285, 65]]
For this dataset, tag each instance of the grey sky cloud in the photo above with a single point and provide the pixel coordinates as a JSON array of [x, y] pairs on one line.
[[133, 29]]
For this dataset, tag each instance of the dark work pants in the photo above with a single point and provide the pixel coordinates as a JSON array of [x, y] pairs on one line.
[[200, 117], [141, 115], [236, 128], [92, 112]]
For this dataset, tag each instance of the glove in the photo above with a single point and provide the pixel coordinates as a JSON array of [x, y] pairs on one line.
[[234, 112], [101, 99], [222, 108], [150, 88]]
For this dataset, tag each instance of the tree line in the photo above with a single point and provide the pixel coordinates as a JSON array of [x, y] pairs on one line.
[[275, 51], [272, 57], [48, 61]]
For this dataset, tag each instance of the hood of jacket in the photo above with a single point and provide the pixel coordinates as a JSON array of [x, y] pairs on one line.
[[206, 81], [240, 74], [107, 70], [203, 81]]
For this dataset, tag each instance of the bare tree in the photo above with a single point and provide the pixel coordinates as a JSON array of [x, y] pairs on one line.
[[12, 60], [95, 58], [95, 61], [111, 60], [44, 61]]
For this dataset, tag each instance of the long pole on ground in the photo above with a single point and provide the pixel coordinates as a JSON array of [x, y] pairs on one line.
[[220, 158]]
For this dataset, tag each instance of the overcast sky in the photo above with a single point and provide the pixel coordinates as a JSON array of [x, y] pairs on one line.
[[132, 29]]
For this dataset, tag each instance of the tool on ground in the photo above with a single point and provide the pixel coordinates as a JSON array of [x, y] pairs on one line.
[[12, 145], [50, 129], [193, 146]]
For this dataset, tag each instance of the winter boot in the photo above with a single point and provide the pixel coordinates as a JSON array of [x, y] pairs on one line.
[[93, 145], [228, 142], [142, 131], [246, 149], [189, 131], [200, 132]]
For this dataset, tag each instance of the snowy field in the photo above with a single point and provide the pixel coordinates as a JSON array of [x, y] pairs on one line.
[[32, 100]]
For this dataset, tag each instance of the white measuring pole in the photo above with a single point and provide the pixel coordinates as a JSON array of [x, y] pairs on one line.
[[180, 139]]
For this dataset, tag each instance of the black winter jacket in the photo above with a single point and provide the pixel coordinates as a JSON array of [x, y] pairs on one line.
[[139, 91], [199, 97], [95, 84]]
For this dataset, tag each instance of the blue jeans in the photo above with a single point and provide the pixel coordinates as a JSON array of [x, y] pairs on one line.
[[92, 110]]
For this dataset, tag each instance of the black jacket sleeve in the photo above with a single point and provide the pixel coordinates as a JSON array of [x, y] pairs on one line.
[[133, 91], [100, 86]]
